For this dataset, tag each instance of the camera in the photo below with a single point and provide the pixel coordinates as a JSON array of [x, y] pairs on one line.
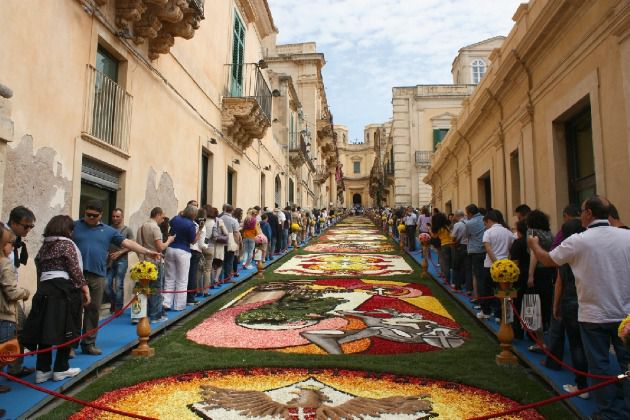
[[200, 221]]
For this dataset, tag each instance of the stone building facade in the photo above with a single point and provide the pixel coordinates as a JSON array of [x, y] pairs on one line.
[[143, 103], [549, 124], [422, 116], [357, 160]]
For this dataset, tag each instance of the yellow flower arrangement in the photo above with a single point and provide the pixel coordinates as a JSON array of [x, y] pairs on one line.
[[624, 331], [295, 227], [504, 271], [401, 228], [144, 270]]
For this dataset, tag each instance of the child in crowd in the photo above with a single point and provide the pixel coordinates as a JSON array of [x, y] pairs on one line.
[[11, 294]]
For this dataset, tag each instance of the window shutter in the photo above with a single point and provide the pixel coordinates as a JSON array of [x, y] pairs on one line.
[[238, 56]]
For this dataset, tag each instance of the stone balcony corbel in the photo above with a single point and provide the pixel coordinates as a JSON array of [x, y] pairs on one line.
[[243, 120], [157, 21]]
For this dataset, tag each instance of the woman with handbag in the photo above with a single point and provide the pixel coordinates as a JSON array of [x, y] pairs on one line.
[[55, 316], [217, 238]]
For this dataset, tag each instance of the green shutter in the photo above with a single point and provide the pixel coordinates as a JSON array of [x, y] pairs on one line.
[[438, 135], [238, 57]]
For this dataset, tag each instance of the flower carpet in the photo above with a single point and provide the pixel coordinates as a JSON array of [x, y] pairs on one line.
[[356, 247], [309, 394], [393, 345], [333, 316], [345, 265]]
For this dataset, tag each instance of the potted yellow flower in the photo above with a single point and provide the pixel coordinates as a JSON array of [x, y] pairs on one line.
[[505, 272], [624, 331], [144, 272]]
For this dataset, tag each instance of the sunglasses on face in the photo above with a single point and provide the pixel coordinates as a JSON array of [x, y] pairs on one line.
[[27, 226], [92, 215]]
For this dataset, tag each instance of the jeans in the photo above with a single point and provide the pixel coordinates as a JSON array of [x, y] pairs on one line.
[[116, 282], [410, 231], [285, 239], [445, 258], [248, 250], [156, 299], [271, 247], [227, 265], [8, 330], [597, 339]]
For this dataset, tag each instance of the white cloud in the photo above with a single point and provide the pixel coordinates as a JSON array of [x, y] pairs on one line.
[[373, 45]]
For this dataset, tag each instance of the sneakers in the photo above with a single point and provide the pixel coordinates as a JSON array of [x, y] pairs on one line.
[[157, 321], [70, 373], [41, 377], [572, 388], [249, 267], [481, 315]]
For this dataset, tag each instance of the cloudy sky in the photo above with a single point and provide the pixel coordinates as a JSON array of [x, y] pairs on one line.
[[372, 45]]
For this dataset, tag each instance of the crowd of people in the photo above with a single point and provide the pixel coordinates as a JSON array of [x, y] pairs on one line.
[[579, 277], [82, 261]]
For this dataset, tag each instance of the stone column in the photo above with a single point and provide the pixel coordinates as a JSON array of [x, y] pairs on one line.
[[6, 134]]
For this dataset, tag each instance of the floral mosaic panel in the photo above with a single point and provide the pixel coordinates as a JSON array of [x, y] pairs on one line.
[[357, 247], [345, 265], [266, 394], [333, 316]]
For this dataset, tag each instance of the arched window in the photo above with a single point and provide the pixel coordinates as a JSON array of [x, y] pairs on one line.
[[478, 70]]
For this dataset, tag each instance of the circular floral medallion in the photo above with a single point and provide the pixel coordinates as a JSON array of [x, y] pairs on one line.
[[264, 393]]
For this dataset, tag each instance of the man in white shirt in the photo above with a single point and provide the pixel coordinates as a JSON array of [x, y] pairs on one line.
[[497, 241], [600, 260], [411, 219]]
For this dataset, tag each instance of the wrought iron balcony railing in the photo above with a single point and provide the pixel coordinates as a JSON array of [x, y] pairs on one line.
[[423, 157], [247, 81], [107, 114]]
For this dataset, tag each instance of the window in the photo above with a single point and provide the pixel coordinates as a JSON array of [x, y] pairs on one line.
[[105, 95], [238, 56], [438, 136], [263, 181], [478, 70], [484, 186], [291, 192], [206, 178], [277, 190], [98, 182], [231, 187], [357, 167], [580, 158]]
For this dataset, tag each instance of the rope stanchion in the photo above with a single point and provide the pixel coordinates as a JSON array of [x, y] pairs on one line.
[[614, 379], [74, 400], [79, 338]]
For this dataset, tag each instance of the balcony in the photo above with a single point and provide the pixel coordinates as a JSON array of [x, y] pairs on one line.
[[107, 114], [423, 158], [298, 151], [322, 172], [246, 106], [157, 22]]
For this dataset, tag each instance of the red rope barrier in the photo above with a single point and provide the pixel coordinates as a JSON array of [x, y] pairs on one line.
[[74, 400], [551, 400], [79, 338], [552, 356]]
